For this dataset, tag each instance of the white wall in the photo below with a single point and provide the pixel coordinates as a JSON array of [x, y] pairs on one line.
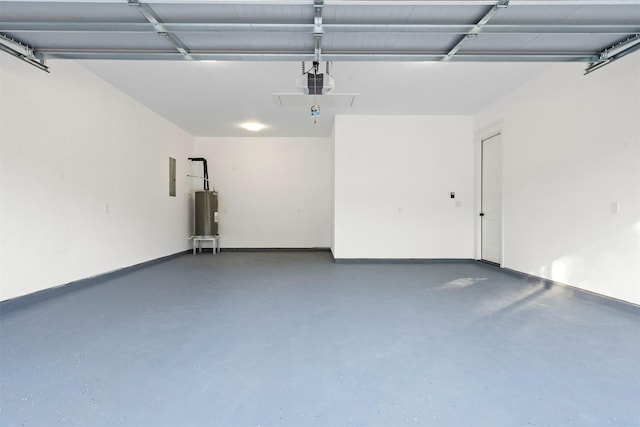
[[83, 178], [393, 179], [571, 148], [273, 192]]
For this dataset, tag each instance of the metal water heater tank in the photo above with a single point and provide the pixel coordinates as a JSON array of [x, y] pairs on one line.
[[206, 213]]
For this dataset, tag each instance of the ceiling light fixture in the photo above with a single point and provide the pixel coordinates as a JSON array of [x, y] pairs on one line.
[[253, 126]]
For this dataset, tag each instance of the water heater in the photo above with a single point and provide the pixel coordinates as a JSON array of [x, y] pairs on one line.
[[206, 213]]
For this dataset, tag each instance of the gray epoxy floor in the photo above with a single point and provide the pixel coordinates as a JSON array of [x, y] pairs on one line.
[[292, 339]]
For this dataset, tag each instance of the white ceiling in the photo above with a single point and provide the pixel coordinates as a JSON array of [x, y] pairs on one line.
[[213, 98]]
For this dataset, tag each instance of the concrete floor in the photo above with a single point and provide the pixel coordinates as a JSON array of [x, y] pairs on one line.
[[293, 339]]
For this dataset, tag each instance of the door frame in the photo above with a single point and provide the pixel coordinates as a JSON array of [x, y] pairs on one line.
[[480, 136]]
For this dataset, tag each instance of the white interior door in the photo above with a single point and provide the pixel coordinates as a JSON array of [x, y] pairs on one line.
[[491, 200]]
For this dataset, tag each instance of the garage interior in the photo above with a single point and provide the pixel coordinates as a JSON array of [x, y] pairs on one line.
[[428, 212]]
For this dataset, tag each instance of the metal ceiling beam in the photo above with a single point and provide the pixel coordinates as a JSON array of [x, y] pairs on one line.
[[371, 2], [153, 19], [23, 52], [559, 29], [613, 53], [474, 57], [195, 27], [573, 2], [469, 2], [501, 4], [307, 56], [173, 55], [318, 5]]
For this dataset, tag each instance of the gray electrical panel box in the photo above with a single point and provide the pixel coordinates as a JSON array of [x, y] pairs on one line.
[[172, 177]]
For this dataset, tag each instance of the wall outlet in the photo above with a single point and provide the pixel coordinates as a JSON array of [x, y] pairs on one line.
[[615, 207]]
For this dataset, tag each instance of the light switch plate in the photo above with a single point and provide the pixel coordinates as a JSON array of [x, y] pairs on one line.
[[615, 207]]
